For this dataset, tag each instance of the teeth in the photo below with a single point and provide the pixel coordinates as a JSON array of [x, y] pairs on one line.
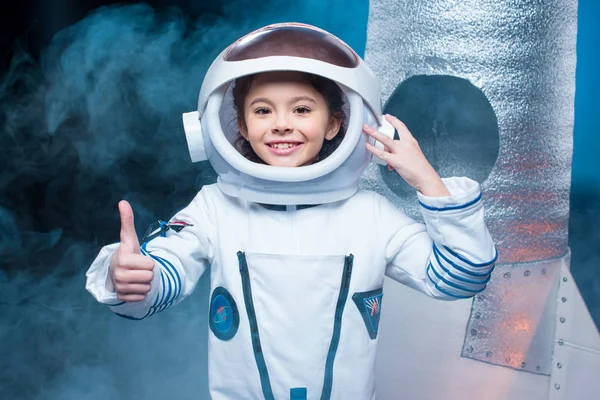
[[282, 145]]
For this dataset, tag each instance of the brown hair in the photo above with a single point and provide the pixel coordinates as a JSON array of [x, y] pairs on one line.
[[330, 91]]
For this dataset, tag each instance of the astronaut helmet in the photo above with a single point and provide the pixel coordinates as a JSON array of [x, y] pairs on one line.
[[212, 131]]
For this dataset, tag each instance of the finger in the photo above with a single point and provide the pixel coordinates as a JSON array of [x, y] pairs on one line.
[[403, 132], [131, 298], [135, 276], [132, 288], [377, 151], [389, 167], [129, 239], [135, 261], [380, 137]]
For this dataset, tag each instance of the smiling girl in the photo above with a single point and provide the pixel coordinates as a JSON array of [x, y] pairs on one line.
[[297, 289], [295, 118]]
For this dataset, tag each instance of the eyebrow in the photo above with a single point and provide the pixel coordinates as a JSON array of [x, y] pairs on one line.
[[292, 101], [300, 98]]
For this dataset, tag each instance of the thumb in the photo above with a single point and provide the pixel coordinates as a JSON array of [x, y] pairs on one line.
[[129, 239]]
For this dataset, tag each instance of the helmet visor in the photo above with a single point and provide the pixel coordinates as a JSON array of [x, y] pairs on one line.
[[295, 40]]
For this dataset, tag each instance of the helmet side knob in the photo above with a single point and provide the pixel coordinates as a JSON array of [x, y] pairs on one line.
[[193, 135]]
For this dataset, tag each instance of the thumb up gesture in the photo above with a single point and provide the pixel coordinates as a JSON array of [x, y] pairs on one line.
[[131, 273]]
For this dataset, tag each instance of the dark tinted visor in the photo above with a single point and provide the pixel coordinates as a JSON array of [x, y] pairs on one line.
[[296, 40]]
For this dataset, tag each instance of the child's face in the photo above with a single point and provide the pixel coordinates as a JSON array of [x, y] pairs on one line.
[[286, 119]]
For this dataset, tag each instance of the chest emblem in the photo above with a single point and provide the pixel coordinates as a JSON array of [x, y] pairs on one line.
[[224, 318], [369, 306], [220, 319]]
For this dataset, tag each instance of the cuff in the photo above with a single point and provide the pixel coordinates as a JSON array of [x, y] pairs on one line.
[[464, 193], [97, 276]]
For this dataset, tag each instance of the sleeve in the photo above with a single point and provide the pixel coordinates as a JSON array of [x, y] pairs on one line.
[[182, 250], [452, 256]]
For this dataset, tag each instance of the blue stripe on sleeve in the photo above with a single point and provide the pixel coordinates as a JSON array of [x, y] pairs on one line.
[[170, 278], [158, 295], [170, 273], [451, 207], [134, 318], [170, 284], [458, 278], [437, 287], [128, 317], [471, 263], [173, 282], [153, 308], [162, 294], [458, 267], [171, 270], [450, 283], [158, 302], [172, 267], [437, 253]]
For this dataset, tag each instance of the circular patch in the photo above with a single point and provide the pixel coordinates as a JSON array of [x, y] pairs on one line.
[[224, 318]]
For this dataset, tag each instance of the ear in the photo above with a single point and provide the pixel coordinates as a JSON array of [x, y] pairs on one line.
[[335, 122], [242, 128]]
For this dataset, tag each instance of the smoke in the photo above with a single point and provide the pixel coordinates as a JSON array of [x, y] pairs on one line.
[[98, 119]]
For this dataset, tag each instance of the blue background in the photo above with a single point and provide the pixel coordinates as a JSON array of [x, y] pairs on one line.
[[584, 226]]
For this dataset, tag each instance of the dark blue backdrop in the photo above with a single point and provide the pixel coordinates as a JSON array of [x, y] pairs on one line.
[[584, 224]]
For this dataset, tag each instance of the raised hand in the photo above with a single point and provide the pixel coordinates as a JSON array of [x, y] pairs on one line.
[[405, 156], [130, 271]]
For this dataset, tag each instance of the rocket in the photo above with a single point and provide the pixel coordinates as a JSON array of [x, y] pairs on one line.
[[487, 89]]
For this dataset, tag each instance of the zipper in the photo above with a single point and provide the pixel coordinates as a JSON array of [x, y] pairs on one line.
[[337, 327], [255, 336]]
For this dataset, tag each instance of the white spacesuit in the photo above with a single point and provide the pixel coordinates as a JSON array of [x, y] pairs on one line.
[[297, 274]]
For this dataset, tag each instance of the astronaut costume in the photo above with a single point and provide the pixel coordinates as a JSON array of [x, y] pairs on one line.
[[297, 256]]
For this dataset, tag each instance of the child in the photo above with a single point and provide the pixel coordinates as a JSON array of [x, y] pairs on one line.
[[282, 276]]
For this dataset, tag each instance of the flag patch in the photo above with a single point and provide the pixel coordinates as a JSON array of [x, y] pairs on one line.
[[160, 228], [369, 306]]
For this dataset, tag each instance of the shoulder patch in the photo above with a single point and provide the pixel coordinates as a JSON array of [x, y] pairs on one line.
[[369, 306]]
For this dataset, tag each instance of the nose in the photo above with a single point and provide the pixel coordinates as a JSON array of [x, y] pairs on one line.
[[282, 124]]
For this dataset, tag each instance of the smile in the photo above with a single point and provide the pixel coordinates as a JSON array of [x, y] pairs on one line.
[[284, 148]]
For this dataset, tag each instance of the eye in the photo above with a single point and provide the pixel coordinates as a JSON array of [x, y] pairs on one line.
[[262, 111], [302, 110]]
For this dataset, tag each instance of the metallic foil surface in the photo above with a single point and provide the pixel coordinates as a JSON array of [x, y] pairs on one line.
[[513, 321], [487, 88]]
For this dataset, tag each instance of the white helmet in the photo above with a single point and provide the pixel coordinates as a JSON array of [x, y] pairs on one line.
[[211, 133]]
